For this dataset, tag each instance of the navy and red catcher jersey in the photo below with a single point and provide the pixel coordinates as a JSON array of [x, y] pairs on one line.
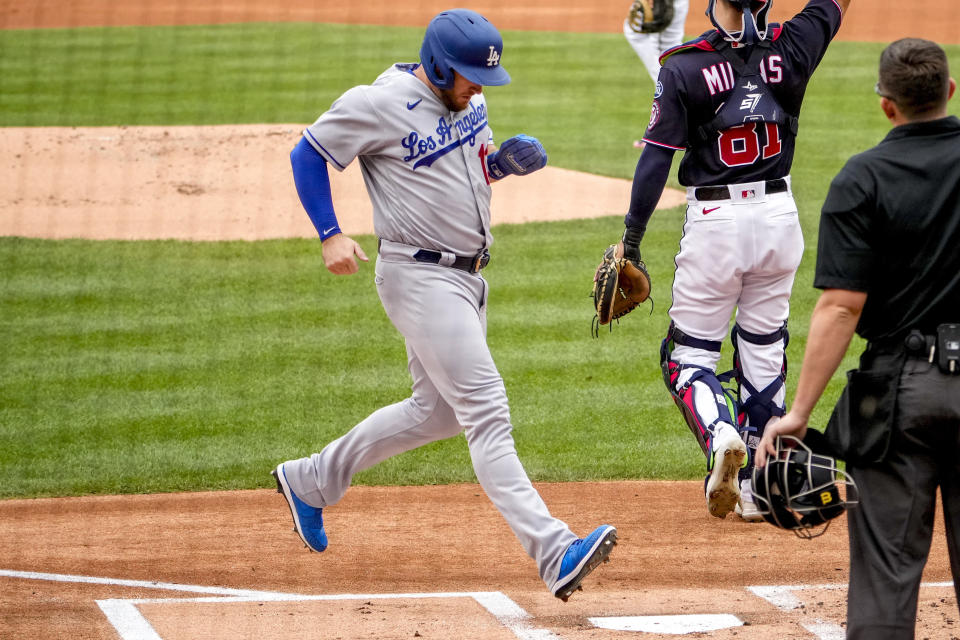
[[695, 81]]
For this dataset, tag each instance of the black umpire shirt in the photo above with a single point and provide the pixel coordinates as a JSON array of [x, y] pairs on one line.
[[890, 227]]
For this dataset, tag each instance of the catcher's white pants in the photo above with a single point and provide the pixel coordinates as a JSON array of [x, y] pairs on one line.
[[649, 46], [441, 313], [739, 254]]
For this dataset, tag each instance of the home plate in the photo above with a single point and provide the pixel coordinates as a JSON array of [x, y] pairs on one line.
[[669, 624]]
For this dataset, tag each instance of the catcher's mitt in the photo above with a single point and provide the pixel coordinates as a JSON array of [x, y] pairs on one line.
[[620, 286], [650, 16]]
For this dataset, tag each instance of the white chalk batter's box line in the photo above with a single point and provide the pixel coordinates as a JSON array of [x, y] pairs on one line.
[[784, 597], [131, 624]]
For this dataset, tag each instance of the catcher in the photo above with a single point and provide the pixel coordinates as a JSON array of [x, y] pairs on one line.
[[620, 284], [742, 242]]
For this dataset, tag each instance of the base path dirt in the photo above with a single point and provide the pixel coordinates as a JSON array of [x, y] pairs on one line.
[[226, 565]]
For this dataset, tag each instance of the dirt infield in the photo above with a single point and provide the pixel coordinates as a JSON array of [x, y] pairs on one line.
[[405, 562], [179, 552]]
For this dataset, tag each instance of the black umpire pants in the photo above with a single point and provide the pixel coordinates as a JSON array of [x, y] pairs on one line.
[[892, 528]]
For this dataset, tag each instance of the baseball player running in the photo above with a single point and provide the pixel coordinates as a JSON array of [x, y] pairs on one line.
[[422, 136], [730, 99]]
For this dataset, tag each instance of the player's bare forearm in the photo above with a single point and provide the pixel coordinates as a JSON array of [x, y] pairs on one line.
[[339, 252], [832, 326]]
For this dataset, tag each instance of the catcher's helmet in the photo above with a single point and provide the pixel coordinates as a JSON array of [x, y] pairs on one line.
[[799, 490], [753, 25], [464, 41]]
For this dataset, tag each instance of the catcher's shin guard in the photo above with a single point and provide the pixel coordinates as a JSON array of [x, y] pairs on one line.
[[758, 406], [697, 391]]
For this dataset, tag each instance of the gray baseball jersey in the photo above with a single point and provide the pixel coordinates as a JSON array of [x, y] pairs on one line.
[[406, 142], [425, 170]]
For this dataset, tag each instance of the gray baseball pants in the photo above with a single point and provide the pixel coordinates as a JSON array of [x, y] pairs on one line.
[[441, 312]]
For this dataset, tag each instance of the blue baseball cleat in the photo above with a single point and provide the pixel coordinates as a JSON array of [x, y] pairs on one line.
[[582, 557], [307, 520]]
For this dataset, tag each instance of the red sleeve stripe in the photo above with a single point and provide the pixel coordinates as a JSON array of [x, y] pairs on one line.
[[700, 43], [665, 146]]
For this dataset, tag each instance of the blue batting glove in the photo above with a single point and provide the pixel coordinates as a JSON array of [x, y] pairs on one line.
[[519, 155]]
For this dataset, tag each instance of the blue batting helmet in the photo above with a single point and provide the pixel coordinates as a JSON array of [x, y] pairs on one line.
[[753, 25], [463, 41]]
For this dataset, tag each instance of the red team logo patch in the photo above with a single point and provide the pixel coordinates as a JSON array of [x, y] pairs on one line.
[[654, 114]]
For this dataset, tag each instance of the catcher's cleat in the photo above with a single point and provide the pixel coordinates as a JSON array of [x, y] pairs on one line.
[[582, 557], [723, 484], [307, 520], [747, 508]]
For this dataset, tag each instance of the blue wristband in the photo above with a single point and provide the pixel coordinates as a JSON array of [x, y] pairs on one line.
[[313, 186], [493, 167]]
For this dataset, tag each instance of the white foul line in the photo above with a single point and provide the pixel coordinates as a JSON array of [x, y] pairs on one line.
[[130, 623], [141, 584]]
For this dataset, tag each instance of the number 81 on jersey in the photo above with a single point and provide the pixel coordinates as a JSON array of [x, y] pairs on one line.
[[740, 146]]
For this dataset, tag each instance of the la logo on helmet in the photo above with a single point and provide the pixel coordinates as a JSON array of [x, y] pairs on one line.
[[494, 58]]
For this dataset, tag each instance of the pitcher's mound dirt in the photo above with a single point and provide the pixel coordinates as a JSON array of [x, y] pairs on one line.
[[230, 182]]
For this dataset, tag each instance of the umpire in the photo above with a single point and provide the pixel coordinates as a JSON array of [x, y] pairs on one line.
[[889, 268]]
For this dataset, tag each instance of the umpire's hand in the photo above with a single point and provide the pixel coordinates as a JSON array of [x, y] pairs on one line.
[[338, 254], [792, 424]]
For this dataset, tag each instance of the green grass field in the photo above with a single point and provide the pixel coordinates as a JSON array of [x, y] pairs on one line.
[[167, 366]]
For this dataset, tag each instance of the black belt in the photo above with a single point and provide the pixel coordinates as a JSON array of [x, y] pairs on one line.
[[943, 348], [723, 193], [914, 344], [470, 264]]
